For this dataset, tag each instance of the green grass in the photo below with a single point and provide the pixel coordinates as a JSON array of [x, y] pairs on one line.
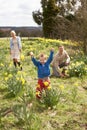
[[22, 111]]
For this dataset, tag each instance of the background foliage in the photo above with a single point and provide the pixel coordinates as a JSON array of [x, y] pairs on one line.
[[63, 107]]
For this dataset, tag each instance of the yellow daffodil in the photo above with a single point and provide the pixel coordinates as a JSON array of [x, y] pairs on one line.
[[61, 87], [86, 68], [49, 87], [2, 64], [38, 93], [10, 76], [6, 78], [75, 70], [73, 64], [19, 73], [46, 83], [81, 62], [6, 74], [77, 63], [10, 65], [38, 86], [23, 81], [76, 84], [22, 57], [17, 78]]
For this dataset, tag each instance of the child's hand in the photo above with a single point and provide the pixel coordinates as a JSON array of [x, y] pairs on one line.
[[52, 49], [31, 54]]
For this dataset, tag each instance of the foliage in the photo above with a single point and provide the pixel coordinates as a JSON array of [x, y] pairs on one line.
[[64, 106], [51, 10], [82, 22], [24, 114], [50, 98], [77, 69], [37, 16], [15, 83]]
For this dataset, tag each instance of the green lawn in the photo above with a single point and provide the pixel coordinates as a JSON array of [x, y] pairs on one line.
[[64, 107]]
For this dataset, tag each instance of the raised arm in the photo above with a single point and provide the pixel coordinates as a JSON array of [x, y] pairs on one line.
[[11, 44], [19, 43], [50, 56], [35, 62]]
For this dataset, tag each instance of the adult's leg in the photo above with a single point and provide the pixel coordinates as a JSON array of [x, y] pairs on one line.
[[15, 62], [19, 64], [55, 72], [64, 66]]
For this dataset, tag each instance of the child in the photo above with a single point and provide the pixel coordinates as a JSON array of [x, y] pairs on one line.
[[43, 66], [15, 48]]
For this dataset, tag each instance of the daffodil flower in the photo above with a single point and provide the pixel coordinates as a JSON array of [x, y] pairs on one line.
[[38, 93], [61, 87], [2, 64], [49, 87], [6, 78], [46, 83]]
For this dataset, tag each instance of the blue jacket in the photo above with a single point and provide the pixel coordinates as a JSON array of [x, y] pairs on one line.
[[43, 69], [18, 42]]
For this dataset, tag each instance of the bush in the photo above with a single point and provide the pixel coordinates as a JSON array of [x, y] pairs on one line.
[[50, 97], [77, 69], [15, 83]]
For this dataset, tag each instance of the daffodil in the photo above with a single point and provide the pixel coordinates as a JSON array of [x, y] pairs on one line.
[[10, 65], [77, 63], [19, 73], [75, 70], [38, 93], [38, 86], [10, 76], [17, 78], [73, 64], [23, 81], [49, 87], [22, 57], [81, 62], [6, 78], [6, 74], [86, 68], [2, 64], [61, 87], [46, 83], [76, 84]]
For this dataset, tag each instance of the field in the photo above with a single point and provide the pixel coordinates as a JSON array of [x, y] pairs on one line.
[[63, 106]]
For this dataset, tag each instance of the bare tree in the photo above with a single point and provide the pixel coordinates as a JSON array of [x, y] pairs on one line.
[[82, 23]]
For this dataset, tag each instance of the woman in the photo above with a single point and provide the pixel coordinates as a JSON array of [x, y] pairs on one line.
[[15, 48]]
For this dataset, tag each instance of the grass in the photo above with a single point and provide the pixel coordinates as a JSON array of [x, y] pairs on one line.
[[22, 111]]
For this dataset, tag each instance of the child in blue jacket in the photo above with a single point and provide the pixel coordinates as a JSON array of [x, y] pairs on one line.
[[43, 70]]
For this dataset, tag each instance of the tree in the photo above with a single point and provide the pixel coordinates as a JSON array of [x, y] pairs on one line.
[[37, 16], [82, 24], [51, 11]]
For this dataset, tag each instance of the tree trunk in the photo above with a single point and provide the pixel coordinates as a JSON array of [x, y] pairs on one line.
[[85, 47]]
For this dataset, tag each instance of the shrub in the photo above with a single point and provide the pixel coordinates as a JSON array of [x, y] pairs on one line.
[[15, 83], [77, 69], [50, 97]]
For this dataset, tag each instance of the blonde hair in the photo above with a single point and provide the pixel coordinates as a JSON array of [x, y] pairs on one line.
[[13, 32], [43, 55]]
